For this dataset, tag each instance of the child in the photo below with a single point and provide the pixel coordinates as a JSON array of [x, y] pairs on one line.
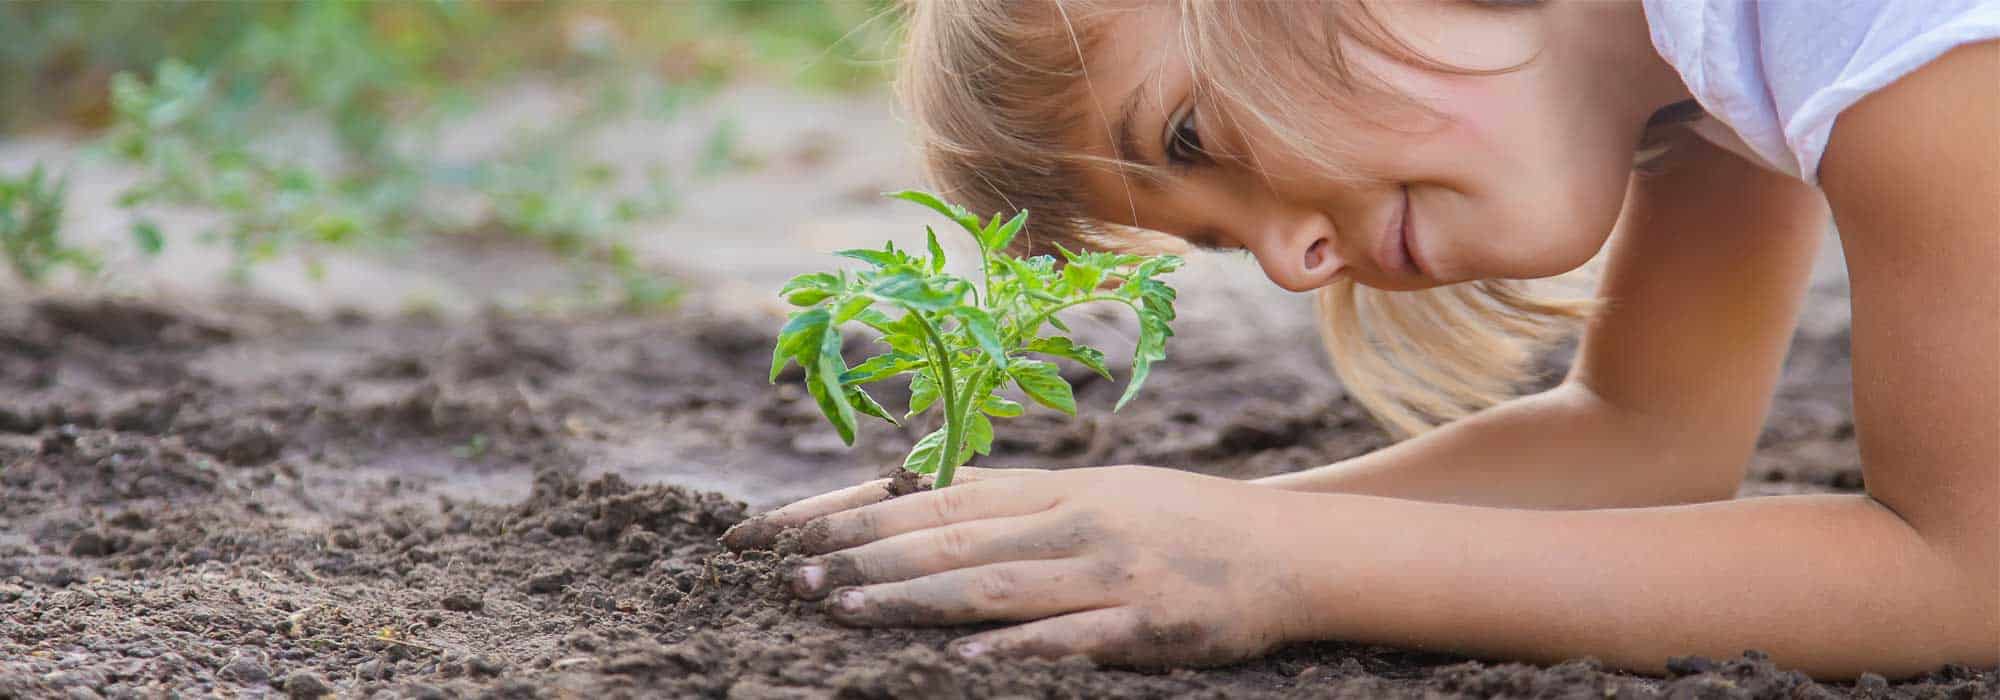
[[1368, 151]]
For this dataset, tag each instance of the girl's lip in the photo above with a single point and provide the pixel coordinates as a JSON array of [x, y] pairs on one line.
[[1394, 252]]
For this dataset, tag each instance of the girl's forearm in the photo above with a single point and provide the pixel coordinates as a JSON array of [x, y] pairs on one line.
[[1560, 449], [1832, 585]]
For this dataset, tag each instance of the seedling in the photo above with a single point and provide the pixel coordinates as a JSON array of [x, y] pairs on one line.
[[960, 342]]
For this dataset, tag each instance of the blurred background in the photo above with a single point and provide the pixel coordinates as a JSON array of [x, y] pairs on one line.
[[581, 164], [441, 155]]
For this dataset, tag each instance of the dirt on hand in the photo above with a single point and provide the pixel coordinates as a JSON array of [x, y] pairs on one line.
[[526, 507]]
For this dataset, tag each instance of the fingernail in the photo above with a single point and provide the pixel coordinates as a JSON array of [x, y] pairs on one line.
[[969, 649], [807, 579], [744, 535], [850, 600]]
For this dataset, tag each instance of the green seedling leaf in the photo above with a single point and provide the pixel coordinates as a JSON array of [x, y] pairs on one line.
[[912, 291], [798, 340], [1068, 349], [1082, 277], [965, 219], [937, 251], [959, 347], [878, 321], [1156, 298], [906, 344], [923, 393], [812, 288], [1030, 279], [851, 308], [1155, 266], [1153, 334], [807, 297], [826, 388], [881, 367], [928, 454], [984, 332], [978, 436], [1001, 408], [878, 258], [866, 404], [1004, 235], [1042, 382]]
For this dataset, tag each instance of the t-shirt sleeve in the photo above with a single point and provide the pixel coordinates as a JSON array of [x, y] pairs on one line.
[[1778, 73]]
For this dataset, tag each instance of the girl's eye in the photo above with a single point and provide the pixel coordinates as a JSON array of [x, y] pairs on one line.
[[1183, 142]]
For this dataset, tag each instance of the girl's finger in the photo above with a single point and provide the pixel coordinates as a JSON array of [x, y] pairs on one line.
[[1118, 635], [978, 500], [1010, 591], [1121, 636], [937, 550], [760, 531]]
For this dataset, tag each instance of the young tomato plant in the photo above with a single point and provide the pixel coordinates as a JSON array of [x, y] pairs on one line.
[[962, 342]]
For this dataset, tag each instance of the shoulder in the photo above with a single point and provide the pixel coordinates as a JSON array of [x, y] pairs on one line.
[[1927, 145], [1778, 74]]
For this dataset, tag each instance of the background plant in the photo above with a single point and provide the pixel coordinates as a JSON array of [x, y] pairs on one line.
[[314, 126], [31, 210], [961, 342], [57, 58], [205, 137]]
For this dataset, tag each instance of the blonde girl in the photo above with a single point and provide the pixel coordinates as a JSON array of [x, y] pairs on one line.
[[1408, 161]]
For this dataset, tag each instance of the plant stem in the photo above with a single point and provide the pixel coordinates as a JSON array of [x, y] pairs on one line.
[[954, 432], [986, 272]]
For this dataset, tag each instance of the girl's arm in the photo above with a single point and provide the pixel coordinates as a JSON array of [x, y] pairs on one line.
[[1673, 378], [1898, 581], [1148, 566], [1831, 585]]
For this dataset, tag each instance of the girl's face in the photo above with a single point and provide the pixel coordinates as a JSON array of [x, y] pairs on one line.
[[1519, 174]]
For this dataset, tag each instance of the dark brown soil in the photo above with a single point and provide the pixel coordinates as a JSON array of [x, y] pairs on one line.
[[499, 507]]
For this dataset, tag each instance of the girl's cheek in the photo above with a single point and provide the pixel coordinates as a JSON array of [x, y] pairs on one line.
[[1474, 110], [1467, 110]]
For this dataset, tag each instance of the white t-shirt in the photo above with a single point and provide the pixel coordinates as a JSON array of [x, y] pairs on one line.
[[1774, 74]]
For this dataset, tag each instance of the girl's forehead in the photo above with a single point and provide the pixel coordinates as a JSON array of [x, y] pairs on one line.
[[1135, 71], [1131, 71]]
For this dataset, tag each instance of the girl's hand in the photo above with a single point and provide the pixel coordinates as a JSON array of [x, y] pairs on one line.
[[761, 531], [1127, 565]]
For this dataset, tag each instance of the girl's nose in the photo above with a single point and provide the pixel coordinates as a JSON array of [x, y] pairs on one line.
[[1298, 256]]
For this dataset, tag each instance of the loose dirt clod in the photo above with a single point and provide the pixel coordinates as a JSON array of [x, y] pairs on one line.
[[462, 601], [374, 557], [306, 685]]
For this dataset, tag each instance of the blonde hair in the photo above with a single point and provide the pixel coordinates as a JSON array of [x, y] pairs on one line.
[[998, 89]]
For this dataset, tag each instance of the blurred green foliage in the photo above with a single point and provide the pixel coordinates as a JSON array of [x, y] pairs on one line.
[[317, 124], [57, 59], [832, 45], [31, 208]]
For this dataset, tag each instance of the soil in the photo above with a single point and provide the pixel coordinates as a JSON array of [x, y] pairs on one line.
[[243, 500]]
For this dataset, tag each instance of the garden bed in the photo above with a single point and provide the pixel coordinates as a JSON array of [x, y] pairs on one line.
[[242, 500]]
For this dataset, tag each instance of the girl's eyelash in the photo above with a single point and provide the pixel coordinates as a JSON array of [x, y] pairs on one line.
[[1183, 142]]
